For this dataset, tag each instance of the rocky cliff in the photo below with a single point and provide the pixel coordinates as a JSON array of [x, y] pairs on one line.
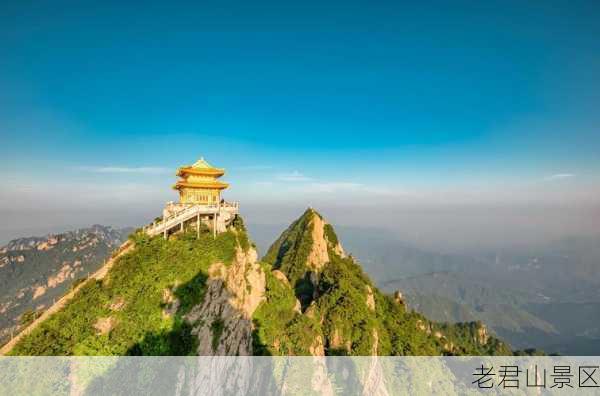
[[223, 322]]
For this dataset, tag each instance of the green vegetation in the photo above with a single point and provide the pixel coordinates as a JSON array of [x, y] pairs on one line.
[[140, 307], [131, 299], [331, 235], [290, 252], [29, 316], [280, 330], [336, 309], [240, 228]]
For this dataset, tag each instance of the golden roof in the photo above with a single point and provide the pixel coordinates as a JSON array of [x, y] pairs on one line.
[[200, 167], [207, 185]]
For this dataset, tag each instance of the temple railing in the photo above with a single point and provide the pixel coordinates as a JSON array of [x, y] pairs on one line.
[[177, 218]]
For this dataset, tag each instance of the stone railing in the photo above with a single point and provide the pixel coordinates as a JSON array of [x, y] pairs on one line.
[[180, 213]]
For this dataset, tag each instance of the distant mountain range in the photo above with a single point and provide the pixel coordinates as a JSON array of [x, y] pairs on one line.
[[35, 271], [546, 297]]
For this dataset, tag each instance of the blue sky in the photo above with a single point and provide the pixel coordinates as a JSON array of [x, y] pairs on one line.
[[332, 103]]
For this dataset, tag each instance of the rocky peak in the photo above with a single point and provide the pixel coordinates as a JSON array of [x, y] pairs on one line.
[[304, 248]]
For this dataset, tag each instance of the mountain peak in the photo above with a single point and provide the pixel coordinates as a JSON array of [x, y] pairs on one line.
[[305, 247]]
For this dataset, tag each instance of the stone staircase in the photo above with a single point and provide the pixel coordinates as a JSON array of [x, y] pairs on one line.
[[177, 220]]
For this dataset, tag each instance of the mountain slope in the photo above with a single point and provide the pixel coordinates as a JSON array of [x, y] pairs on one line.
[[140, 307], [321, 302], [211, 296], [35, 271]]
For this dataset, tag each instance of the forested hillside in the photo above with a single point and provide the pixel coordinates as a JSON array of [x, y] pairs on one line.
[[212, 296]]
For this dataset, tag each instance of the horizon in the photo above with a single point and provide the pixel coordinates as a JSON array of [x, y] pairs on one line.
[[453, 125]]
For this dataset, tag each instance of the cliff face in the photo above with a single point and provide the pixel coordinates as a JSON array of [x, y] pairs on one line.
[[222, 324]]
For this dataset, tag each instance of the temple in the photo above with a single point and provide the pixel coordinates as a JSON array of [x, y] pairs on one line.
[[200, 202], [199, 184]]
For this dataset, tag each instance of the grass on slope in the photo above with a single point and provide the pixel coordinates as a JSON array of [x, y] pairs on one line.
[[132, 298]]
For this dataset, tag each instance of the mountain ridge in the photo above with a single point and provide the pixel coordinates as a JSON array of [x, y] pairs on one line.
[[213, 296], [34, 271]]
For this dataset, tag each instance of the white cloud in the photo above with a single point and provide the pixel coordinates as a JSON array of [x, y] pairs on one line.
[[294, 176], [123, 169], [559, 176]]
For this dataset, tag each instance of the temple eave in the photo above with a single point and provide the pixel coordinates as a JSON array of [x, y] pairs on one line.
[[202, 172], [212, 185]]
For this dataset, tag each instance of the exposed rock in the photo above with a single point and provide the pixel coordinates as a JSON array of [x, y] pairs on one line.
[[374, 380], [375, 342], [423, 327], [370, 298], [39, 291], [398, 297], [317, 348], [104, 325], [117, 304], [167, 296], [320, 382], [66, 272], [318, 255], [298, 306], [337, 342], [171, 304], [311, 311], [281, 276], [482, 335], [233, 294], [449, 347], [48, 244], [44, 246]]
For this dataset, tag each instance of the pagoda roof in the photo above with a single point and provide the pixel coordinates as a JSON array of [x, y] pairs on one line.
[[207, 185], [201, 167]]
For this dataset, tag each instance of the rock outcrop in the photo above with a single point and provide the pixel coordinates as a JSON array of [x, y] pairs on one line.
[[318, 255], [223, 323]]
